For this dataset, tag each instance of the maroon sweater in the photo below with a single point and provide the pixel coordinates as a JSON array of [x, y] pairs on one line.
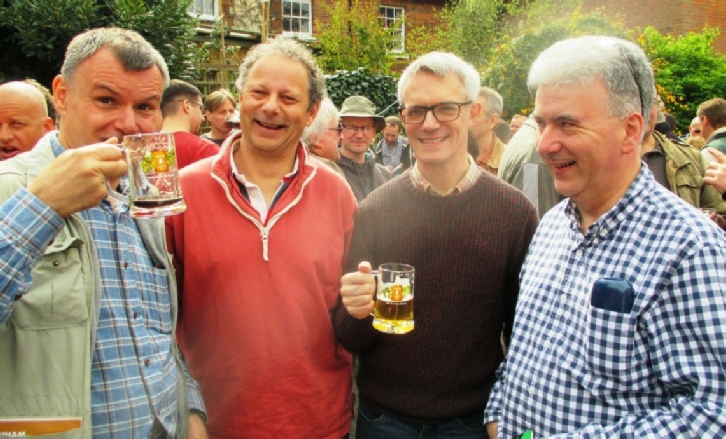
[[467, 250]]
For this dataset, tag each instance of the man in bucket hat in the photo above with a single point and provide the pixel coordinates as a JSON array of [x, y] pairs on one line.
[[360, 125]]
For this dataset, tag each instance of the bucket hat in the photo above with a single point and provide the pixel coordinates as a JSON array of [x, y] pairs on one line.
[[360, 106]]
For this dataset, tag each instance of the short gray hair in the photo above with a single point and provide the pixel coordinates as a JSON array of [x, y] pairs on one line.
[[495, 103], [441, 63], [326, 114], [620, 64], [131, 49], [295, 51]]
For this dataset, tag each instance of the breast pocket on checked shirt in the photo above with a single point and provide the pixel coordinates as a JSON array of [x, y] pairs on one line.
[[610, 342]]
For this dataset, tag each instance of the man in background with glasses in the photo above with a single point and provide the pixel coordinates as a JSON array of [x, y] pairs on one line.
[[360, 125], [466, 234], [183, 112]]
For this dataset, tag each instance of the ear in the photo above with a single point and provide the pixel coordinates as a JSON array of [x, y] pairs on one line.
[[633, 133], [475, 112], [312, 113], [60, 93], [49, 125]]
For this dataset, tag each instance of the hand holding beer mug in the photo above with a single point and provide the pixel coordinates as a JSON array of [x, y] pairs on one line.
[[151, 186], [393, 313]]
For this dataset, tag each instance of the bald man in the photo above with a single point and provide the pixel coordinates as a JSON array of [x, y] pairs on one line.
[[23, 118]]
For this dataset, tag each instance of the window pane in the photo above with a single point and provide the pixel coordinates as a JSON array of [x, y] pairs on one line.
[[305, 10], [305, 25], [286, 25], [296, 9], [286, 8], [295, 25]]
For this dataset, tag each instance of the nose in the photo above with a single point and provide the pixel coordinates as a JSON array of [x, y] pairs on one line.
[[430, 122], [548, 142], [126, 120], [5, 133], [271, 105]]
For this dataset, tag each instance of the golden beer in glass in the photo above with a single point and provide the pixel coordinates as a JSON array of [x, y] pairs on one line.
[[393, 313]]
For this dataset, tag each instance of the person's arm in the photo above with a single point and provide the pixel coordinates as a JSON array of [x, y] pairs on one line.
[[27, 228]]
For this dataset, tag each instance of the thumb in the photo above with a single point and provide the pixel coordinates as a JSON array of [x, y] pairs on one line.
[[718, 155], [365, 267]]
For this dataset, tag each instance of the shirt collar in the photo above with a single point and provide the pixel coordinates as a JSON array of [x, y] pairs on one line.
[[471, 176], [242, 179]]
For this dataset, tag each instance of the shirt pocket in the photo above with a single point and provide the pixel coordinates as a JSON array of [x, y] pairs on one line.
[[59, 295], [156, 298], [610, 341]]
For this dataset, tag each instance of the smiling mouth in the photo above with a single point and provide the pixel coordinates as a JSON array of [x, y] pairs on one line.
[[436, 140], [7, 150], [269, 126], [564, 165]]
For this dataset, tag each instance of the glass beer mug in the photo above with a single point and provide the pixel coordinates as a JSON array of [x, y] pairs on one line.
[[393, 313], [151, 187]]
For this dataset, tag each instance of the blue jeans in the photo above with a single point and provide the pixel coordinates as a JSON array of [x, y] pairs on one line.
[[372, 425]]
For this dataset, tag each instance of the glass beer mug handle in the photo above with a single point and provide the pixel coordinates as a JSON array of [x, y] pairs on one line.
[[121, 198], [375, 286]]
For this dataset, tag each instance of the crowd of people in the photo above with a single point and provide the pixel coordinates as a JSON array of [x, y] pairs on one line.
[[569, 264]]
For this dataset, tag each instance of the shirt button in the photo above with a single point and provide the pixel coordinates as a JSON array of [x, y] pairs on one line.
[[126, 265], [56, 263], [147, 362], [136, 315]]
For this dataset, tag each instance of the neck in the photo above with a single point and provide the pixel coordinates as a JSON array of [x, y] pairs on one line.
[[648, 144], [444, 176], [485, 143], [216, 134], [355, 156], [172, 125], [594, 209]]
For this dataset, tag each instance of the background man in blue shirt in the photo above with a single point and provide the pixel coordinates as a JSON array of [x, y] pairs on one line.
[[651, 367]]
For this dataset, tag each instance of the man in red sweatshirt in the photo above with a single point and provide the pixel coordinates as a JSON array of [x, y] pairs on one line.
[[259, 253]]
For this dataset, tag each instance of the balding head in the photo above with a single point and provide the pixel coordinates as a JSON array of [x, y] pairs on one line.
[[23, 118]]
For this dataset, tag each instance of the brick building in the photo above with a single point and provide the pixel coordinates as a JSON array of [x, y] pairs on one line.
[[673, 17]]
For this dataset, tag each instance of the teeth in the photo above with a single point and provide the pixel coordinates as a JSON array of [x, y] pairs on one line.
[[564, 165], [432, 140]]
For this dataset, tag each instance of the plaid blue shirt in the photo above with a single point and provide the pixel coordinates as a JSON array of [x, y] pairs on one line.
[[133, 372], [659, 371]]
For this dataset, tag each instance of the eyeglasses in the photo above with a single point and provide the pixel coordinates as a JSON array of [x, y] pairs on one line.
[[201, 106], [352, 129], [339, 128], [443, 112]]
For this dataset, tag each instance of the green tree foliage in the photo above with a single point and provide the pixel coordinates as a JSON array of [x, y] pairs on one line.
[[379, 88], [354, 37], [687, 69], [35, 33], [526, 35]]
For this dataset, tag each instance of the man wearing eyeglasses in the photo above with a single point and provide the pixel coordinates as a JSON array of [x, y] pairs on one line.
[[360, 125], [183, 112], [466, 234]]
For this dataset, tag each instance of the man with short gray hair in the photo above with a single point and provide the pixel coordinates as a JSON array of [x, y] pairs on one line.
[[323, 135], [88, 300], [466, 233], [622, 307], [482, 130]]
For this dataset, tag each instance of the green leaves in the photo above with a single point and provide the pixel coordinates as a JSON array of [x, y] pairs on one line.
[[379, 88], [35, 33]]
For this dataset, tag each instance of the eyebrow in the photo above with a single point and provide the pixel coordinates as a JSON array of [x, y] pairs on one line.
[[151, 97]]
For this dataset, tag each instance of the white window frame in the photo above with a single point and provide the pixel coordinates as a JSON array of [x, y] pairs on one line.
[[293, 16], [204, 14], [390, 15]]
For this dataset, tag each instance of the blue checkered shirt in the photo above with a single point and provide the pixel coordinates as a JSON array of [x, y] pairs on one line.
[[659, 371], [133, 372]]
